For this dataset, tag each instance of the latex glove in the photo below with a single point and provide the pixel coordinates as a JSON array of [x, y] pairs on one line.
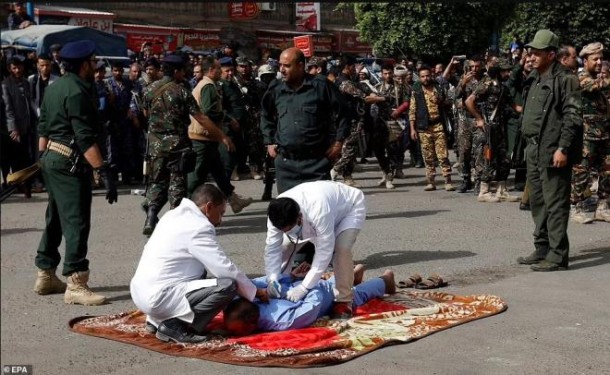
[[108, 177], [274, 289], [297, 293]]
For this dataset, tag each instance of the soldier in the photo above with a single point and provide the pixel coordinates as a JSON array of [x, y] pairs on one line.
[[304, 122], [208, 160], [386, 89], [266, 75], [465, 135], [68, 131], [167, 104], [426, 115], [596, 145], [492, 162], [396, 150]]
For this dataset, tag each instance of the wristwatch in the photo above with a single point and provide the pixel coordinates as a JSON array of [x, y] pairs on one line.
[[563, 150]]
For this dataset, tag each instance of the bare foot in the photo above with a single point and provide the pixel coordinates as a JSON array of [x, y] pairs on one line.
[[358, 273], [390, 283]]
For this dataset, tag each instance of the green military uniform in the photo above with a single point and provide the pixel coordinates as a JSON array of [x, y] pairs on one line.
[[168, 105], [309, 120], [234, 106], [515, 142], [552, 120], [68, 114]]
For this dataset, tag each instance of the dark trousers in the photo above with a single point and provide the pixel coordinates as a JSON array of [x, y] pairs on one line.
[[15, 156], [289, 172], [209, 301], [550, 205], [208, 161], [68, 213]]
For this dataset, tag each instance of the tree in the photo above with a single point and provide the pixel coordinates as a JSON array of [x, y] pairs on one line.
[[428, 30], [575, 23]]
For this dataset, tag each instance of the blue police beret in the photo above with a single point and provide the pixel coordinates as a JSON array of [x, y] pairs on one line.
[[173, 60], [16, 60], [226, 61], [77, 50], [100, 65], [152, 62]]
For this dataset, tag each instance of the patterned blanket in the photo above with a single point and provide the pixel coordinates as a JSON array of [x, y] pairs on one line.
[[398, 318]]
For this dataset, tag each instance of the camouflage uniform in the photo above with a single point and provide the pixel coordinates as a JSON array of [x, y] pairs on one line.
[[466, 127], [168, 118], [345, 165], [376, 130], [596, 145], [395, 95], [491, 93]]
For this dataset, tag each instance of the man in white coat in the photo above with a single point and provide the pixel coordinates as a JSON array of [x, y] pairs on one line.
[[327, 214], [170, 284]]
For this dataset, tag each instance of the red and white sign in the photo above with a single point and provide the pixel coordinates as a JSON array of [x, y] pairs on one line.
[[305, 44], [308, 16], [201, 39], [94, 23], [349, 41], [243, 10], [279, 40], [161, 38]]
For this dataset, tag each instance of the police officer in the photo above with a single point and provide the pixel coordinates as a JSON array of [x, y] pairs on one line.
[[68, 128], [312, 123], [266, 75], [168, 104]]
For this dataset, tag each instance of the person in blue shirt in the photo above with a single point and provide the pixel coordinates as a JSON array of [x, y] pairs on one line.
[[242, 317]]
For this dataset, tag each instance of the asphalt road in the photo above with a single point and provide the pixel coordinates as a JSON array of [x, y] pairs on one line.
[[556, 322]]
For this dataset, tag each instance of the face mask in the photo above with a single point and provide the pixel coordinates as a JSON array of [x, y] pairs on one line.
[[294, 235]]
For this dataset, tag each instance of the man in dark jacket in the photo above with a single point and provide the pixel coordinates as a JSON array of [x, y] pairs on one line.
[[552, 125]]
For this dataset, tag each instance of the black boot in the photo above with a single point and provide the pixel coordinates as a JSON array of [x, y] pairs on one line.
[[151, 221], [466, 185]]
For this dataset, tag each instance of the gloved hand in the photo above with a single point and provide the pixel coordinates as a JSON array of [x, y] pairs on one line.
[[107, 176], [297, 293], [274, 289]]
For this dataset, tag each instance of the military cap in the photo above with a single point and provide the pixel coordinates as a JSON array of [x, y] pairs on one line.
[[241, 60], [590, 49], [80, 50], [226, 61], [174, 60], [504, 64], [16, 60], [316, 61], [55, 47], [400, 70], [100, 65], [544, 39], [152, 62], [266, 69]]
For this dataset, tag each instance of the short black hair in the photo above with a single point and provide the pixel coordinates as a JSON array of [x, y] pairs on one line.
[[387, 67], [245, 311], [283, 212], [208, 193], [208, 63], [424, 67]]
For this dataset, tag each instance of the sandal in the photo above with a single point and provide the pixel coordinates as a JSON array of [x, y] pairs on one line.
[[433, 281], [411, 282]]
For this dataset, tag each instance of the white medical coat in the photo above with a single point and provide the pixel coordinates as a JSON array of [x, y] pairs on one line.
[[182, 247], [328, 209]]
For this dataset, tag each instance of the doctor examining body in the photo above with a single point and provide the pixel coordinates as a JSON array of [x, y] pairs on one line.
[[327, 214]]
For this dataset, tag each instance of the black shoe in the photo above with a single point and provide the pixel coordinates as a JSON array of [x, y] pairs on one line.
[[466, 185], [151, 221], [174, 330], [530, 259], [266, 197], [546, 266], [150, 328], [363, 161], [524, 207], [520, 186]]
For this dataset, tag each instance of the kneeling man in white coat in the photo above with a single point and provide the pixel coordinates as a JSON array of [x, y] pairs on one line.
[[328, 214], [170, 284]]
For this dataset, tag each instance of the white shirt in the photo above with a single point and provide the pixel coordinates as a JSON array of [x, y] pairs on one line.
[[328, 208], [182, 247]]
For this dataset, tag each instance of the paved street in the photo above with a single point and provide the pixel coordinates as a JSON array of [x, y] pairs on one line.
[[556, 322]]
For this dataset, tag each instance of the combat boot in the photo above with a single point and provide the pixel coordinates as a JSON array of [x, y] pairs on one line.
[[431, 185], [578, 214], [349, 181], [333, 174], [466, 185], [448, 184], [485, 195], [254, 173], [602, 213], [238, 203], [151, 221], [48, 283], [502, 193], [78, 292]]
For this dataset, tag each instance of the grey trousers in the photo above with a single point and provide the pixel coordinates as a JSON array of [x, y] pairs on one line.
[[209, 301]]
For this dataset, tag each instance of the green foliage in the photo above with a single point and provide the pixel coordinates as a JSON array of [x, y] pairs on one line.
[[577, 23]]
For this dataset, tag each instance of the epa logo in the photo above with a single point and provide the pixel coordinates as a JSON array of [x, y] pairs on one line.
[[17, 369]]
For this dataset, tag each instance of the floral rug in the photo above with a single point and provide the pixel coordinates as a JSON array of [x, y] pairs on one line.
[[399, 318]]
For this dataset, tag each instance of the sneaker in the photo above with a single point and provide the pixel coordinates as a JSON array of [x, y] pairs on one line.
[[342, 311]]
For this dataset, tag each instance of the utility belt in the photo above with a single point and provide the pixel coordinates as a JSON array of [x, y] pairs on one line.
[[301, 154], [61, 149], [434, 121]]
